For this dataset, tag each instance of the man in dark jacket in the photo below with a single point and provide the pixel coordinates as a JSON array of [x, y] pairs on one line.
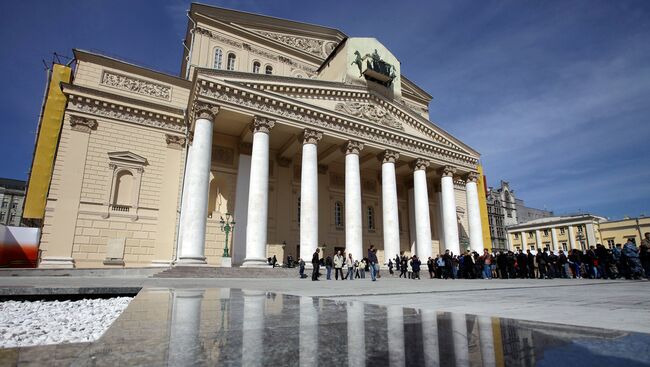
[[530, 264], [373, 263], [415, 265], [315, 262], [430, 267], [522, 262]]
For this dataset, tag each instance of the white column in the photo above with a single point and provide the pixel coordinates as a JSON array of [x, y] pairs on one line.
[[353, 217], [430, 338], [554, 240], [253, 329], [538, 240], [486, 336], [421, 199], [461, 345], [308, 332], [258, 195], [194, 212], [449, 221], [524, 241], [591, 234], [572, 238], [356, 326], [389, 205], [395, 326], [412, 231], [241, 204], [474, 213], [309, 194], [184, 340]]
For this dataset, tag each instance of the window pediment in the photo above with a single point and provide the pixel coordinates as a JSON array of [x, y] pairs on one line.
[[127, 158]]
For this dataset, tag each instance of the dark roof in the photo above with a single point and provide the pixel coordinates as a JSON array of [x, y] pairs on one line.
[[10, 183]]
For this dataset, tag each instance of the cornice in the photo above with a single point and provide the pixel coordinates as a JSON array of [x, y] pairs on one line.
[[115, 111], [284, 109]]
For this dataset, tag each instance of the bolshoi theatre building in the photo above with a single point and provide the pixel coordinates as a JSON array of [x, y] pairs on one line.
[[276, 138]]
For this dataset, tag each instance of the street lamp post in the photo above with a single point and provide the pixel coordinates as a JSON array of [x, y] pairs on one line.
[[227, 226]]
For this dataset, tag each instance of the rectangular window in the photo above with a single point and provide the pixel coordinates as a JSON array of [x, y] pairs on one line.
[[516, 236], [2, 217], [610, 243], [530, 234], [509, 213], [4, 203], [561, 230], [12, 217], [546, 233], [580, 229], [564, 246]]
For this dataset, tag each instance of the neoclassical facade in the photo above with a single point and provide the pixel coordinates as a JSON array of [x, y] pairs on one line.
[[305, 137]]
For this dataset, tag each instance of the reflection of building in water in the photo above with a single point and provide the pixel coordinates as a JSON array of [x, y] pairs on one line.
[[235, 327]]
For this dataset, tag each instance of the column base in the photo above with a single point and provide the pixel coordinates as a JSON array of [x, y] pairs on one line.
[[53, 262], [255, 263], [226, 262], [190, 261], [160, 263]]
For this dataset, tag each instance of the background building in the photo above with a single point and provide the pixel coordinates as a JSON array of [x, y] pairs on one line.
[[556, 233], [504, 210], [526, 214], [12, 196]]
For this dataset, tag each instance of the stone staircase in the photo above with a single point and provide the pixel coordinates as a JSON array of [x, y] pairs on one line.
[[234, 272]]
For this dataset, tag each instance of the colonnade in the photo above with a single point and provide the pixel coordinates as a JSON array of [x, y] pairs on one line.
[[195, 198]]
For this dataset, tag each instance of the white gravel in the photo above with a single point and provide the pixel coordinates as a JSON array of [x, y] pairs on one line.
[[52, 322]]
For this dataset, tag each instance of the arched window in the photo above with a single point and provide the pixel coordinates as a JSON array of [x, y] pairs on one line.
[[269, 70], [218, 56], [256, 67], [231, 61], [123, 189], [371, 218], [338, 214]]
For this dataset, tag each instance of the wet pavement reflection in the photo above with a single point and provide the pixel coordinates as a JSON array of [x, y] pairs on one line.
[[220, 326]]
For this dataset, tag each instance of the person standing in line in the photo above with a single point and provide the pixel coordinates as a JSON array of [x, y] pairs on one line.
[[644, 254], [274, 261], [338, 265], [563, 264], [487, 264], [362, 269], [390, 267], [301, 268], [315, 262], [349, 262], [398, 262], [409, 267], [415, 264], [430, 267], [403, 267], [530, 264], [328, 266], [373, 263]]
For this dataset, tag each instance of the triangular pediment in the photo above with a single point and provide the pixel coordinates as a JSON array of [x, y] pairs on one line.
[[127, 157], [379, 111]]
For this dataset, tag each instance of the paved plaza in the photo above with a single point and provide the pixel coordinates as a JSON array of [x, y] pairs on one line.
[[610, 304]]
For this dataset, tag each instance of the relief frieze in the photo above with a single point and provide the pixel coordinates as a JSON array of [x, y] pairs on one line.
[[135, 85], [312, 46], [369, 111]]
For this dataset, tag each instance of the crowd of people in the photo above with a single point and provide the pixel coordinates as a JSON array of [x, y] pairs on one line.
[[622, 261]]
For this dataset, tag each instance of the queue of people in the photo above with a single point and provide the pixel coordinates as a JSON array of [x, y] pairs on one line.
[[623, 261]]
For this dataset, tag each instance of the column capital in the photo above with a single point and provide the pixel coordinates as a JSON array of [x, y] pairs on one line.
[[472, 177], [175, 141], [262, 125], [85, 125], [310, 136], [206, 111], [448, 171], [352, 147], [388, 156], [420, 164]]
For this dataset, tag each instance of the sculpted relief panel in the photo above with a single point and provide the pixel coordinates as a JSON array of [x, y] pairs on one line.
[[135, 85], [369, 111], [312, 46]]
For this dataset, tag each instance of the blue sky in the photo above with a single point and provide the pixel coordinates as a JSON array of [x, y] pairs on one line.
[[554, 94]]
